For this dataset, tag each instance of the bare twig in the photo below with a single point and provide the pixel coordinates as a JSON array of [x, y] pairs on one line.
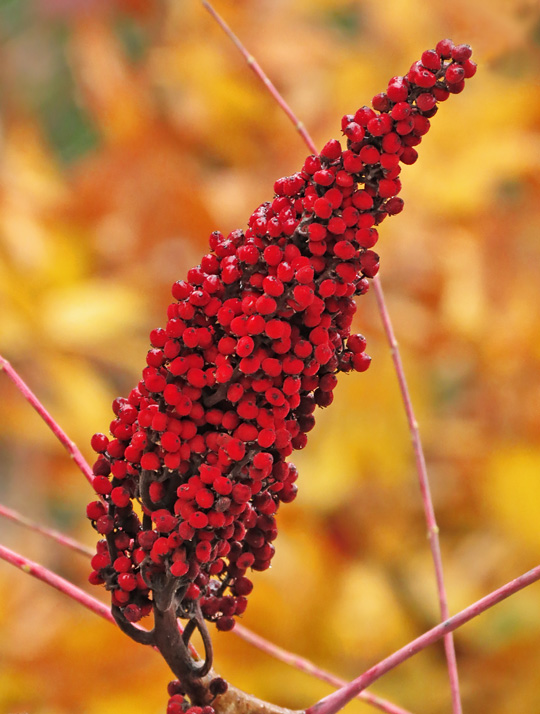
[[47, 576], [255, 66], [300, 663], [429, 511], [305, 665], [337, 700], [60, 434], [51, 533]]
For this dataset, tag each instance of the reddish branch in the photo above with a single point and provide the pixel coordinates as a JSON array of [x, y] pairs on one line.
[[421, 469], [335, 701], [51, 533], [294, 660], [61, 435]]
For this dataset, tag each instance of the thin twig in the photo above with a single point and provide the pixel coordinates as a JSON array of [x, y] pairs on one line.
[[244, 633], [337, 700], [64, 586], [51, 533], [255, 66], [423, 480], [305, 665], [60, 434], [234, 700]]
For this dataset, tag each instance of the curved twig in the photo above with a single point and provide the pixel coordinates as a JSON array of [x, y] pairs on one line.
[[143, 637], [197, 623]]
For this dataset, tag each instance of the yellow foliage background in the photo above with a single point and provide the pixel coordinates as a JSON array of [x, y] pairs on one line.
[[130, 130]]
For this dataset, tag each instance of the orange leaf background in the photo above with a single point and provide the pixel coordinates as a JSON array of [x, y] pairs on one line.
[[130, 130]]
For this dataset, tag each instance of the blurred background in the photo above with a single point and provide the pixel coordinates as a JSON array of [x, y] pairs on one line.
[[131, 129]]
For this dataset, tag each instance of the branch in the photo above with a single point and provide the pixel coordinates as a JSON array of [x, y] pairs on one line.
[[305, 665], [142, 637], [64, 586], [429, 511], [51, 533], [337, 700], [255, 66], [300, 663], [60, 434]]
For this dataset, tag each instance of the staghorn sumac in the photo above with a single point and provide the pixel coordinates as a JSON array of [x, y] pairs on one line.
[[196, 469]]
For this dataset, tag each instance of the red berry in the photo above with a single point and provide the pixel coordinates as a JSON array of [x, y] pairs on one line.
[[363, 115], [225, 624], [245, 346], [204, 498], [457, 87], [222, 485], [362, 200], [454, 74], [361, 362], [266, 438], [322, 208], [461, 53], [424, 78], [236, 449], [369, 263], [381, 102], [272, 255], [95, 510], [203, 551], [391, 143], [120, 497], [127, 581], [354, 132], [164, 521], [316, 232], [408, 156], [431, 60], [401, 110], [331, 150], [394, 206], [323, 177], [469, 67], [122, 564], [150, 461], [179, 568], [303, 295], [378, 126], [170, 441], [444, 48], [366, 237], [398, 89], [369, 154], [198, 519], [387, 188], [352, 162], [99, 442], [102, 485], [266, 305]]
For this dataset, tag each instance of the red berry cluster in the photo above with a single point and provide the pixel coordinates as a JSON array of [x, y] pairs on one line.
[[178, 704], [195, 471]]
